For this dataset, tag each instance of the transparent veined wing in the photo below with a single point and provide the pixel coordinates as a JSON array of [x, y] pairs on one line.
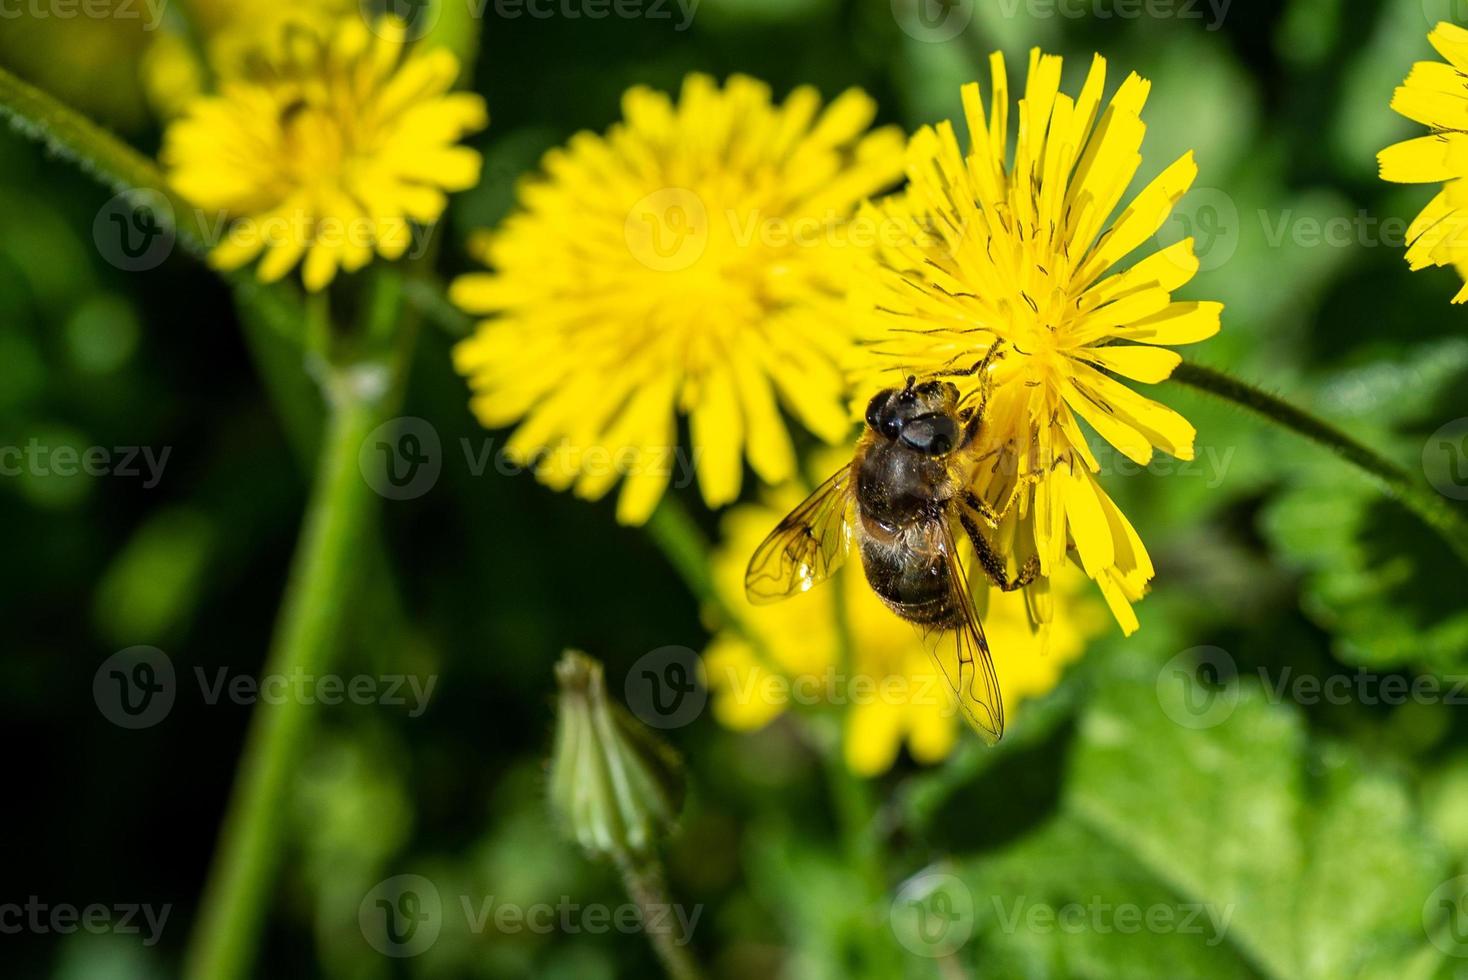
[[807, 546], [962, 652]]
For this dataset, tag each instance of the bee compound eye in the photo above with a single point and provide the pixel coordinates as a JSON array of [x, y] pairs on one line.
[[874, 409], [932, 435]]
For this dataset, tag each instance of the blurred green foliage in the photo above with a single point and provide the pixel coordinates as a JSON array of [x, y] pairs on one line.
[[1320, 829]]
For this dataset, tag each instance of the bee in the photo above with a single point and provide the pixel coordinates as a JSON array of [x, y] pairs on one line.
[[904, 501]]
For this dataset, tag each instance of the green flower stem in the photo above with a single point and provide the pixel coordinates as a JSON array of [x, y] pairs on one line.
[[1398, 483], [430, 300], [74, 137], [337, 527], [645, 885]]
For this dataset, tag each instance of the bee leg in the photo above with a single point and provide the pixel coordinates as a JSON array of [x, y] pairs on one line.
[[973, 420], [993, 562], [990, 356], [991, 516]]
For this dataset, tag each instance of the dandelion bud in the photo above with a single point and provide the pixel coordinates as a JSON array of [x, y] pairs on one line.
[[614, 784]]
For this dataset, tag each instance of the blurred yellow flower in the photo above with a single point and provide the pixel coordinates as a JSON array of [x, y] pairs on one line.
[[171, 74], [987, 246], [690, 261], [895, 693], [1436, 95], [325, 155], [235, 34]]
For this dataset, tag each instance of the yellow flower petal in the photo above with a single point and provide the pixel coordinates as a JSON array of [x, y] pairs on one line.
[[326, 136]]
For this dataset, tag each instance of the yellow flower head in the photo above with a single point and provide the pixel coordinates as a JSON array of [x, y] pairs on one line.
[[236, 34], [1436, 95], [894, 691], [1021, 251], [689, 261], [326, 153]]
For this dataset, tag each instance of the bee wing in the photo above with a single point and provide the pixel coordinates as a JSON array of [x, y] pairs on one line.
[[807, 546], [962, 653]]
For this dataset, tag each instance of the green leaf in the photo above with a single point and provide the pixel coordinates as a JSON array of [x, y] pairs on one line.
[[1374, 575], [1069, 902], [1249, 814]]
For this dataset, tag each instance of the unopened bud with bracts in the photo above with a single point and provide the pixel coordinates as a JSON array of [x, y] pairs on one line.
[[616, 786]]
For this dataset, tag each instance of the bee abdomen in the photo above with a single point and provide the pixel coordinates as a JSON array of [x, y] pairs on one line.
[[915, 587]]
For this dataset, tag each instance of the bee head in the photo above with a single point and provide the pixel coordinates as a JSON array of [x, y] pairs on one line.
[[921, 416]]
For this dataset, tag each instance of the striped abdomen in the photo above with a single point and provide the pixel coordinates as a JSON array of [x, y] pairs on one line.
[[909, 572]]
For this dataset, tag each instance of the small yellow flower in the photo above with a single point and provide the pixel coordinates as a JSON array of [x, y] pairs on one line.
[[894, 691], [326, 154], [235, 34], [690, 261], [1436, 95], [172, 75], [1020, 250]]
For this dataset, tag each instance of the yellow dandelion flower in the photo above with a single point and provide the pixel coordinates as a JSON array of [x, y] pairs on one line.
[[235, 34], [1436, 95], [171, 74], [984, 247], [325, 155], [894, 691], [690, 261]]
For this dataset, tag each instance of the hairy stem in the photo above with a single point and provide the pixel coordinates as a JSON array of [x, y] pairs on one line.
[[1398, 483], [74, 137], [644, 881], [117, 166]]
